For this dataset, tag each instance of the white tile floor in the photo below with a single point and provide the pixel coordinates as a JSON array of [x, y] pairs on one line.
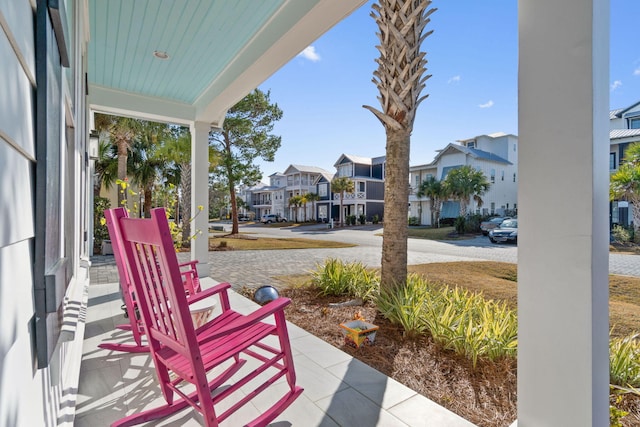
[[339, 390]]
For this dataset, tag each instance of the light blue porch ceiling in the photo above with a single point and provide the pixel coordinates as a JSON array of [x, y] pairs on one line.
[[218, 50]]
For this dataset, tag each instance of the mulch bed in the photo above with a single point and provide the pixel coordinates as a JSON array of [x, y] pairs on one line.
[[484, 395]]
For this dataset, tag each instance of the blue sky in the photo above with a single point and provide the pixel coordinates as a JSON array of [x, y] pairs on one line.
[[472, 57]]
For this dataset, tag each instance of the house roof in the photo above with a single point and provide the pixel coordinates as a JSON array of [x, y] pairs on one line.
[[623, 133], [473, 152], [490, 135], [326, 176], [620, 111], [360, 160], [306, 169], [190, 61]]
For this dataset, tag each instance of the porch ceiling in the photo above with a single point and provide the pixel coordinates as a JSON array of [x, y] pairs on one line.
[[218, 52]]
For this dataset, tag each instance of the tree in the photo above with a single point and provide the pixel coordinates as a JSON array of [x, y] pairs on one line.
[[122, 132], [400, 79], [313, 198], [106, 166], [295, 202], [245, 136], [342, 185], [625, 183], [436, 192], [464, 183]]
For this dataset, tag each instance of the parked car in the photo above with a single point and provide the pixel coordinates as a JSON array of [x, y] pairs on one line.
[[487, 226], [506, 232], [243, 217], [268, 219]]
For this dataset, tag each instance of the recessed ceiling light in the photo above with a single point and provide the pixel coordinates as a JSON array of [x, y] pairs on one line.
[[160, 54]]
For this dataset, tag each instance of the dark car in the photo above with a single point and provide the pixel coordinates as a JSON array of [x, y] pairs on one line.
[[506, 232]]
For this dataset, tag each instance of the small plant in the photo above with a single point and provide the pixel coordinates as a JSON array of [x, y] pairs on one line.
[[460, 224], [405, 305], [100, 231], [621, 234], [624, 361], [362, 219], [375, 219], [414, 220], [345, 279], [616, 414]]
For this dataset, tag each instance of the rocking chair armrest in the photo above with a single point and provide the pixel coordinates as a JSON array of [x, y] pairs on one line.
[[244, 322], [191, 264], [206, 293]]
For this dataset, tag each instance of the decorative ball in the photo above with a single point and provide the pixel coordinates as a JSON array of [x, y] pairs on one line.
[[265, 294]]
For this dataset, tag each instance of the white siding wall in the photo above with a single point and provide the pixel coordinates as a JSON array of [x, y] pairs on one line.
[[30, 396]]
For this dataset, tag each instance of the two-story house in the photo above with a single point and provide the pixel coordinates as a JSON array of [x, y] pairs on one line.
[[263, 199], [624, 129], [301, 180], [324, 205], [496, 155], [367, 174]]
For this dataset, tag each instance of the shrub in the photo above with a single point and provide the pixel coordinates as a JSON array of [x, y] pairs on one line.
[[362, 219], [414, 220], [472, 224], [404, 305], [345, 279], [621, 234], [375, 219], [624, 361], [460, 224], [100, 231]]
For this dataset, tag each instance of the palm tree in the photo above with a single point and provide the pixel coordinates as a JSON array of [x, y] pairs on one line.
[[436, 192], [400, 79], [295, 202], [303, 205], [313, 198], [122, 132], [342, 185], [625, 183], [106, 166], [464, 183]]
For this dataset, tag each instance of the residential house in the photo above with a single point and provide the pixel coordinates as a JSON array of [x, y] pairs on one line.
[[324, 205], [624, 129], [263, 199], [367, 174], [495, 155], [301, 180]]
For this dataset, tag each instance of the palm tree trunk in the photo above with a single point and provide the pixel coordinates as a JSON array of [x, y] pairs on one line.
[[146, 208], [122, 169], [185, 185], [396, 195]]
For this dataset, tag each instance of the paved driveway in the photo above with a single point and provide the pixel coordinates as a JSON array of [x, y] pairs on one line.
[[252, 268]]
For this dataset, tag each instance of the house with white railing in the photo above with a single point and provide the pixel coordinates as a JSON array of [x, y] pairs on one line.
[[301, 180], [367, 174], [495, 155]]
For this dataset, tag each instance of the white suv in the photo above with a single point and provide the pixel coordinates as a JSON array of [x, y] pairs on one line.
[[268, 219]]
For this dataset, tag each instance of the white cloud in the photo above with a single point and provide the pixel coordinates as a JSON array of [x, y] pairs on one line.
[[454, 79], [488, 104], [615, 85], [636, 72], [310, 53]]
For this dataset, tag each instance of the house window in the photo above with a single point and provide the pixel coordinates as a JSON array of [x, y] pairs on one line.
[[493, 176], [514, 148], [493, 208], [634, 123], [361, 187], [322, 190], [514, 177], [471, 144], [502, 176], [612, 161], [345, 170]]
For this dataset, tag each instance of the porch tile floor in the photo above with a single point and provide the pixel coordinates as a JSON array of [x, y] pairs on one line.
[[339, 390]]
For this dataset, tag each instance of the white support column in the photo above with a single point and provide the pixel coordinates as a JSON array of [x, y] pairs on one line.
[[563, 194], [200, 194]]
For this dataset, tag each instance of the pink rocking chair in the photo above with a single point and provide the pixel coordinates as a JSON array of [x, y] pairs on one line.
[[187, 353], [190, 279]]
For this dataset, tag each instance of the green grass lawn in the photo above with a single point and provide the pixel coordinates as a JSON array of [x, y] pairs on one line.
[[246, 243]]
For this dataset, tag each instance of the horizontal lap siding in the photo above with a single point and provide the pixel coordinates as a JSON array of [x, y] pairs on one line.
[[21, 385]]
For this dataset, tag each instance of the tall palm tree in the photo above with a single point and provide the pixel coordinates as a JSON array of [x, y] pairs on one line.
[[122, 132], [625, 183], [436, 192], [342, 185], [295, 202], [464, 183], [106, 166], [400, 79]]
